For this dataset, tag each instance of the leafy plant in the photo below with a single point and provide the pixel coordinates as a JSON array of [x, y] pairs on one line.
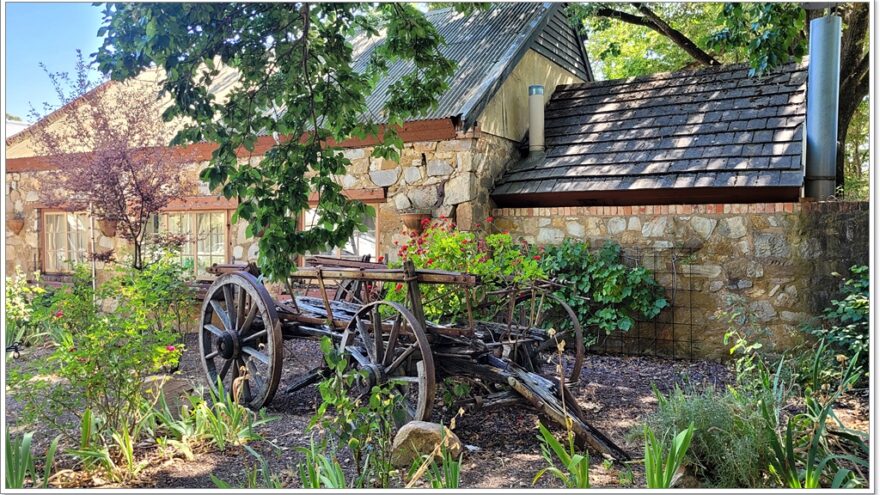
[[453, 390], [601, 289], [101, 360], [448, 474], [565, 463], [24, 300], [659, 471], [846, 322], [786, 459], [320, 470], [363, 423], [20, 462], [495, 258], [729, 447], [625, 478]]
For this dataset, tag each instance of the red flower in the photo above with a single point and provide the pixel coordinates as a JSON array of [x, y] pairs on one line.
[[59, 314], [430, 261], [398, 286], [381, 259], [464, 241], [426, 221], [536, 257], [490, 219], [170, 348]]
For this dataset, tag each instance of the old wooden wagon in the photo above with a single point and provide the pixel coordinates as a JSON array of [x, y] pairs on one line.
[[514, 352]]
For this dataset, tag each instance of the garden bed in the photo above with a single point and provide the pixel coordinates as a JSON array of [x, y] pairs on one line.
[[615, 391]]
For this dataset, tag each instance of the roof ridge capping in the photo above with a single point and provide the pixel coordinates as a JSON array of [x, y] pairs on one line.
[[659, 76]]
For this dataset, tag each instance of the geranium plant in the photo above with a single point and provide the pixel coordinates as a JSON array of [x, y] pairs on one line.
[[496, 258]]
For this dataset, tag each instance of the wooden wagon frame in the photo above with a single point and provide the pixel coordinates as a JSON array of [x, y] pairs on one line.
[[242, 329]]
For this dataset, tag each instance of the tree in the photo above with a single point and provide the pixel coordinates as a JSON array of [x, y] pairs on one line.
[[764, 34], [108, 153], [14, 118], [297, 83]]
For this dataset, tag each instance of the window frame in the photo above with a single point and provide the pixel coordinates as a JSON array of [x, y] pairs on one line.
[[194, 241], [43, 231]]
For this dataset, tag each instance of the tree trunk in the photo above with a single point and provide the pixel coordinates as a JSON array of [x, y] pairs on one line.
[[854, 77]]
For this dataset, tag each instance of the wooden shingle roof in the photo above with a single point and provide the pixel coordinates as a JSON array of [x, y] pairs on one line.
[[715, 134]]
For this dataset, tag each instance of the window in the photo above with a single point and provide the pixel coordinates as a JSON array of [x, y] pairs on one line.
[[206, 234], [359, 244], [66, 241]]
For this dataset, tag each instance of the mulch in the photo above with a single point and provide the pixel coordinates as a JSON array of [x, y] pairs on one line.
[[503, 448]]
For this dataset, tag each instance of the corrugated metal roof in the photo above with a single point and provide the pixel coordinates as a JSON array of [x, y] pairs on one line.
[[484, 45]]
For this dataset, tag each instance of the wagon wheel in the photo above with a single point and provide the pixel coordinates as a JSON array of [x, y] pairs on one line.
[[534, 312], [240, 339], [402, 356]]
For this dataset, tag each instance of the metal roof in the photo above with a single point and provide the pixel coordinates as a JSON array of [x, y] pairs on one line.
[[486, 45], [713, 128]]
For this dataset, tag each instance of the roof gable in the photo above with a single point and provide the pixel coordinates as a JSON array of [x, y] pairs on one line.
[[714, 128]]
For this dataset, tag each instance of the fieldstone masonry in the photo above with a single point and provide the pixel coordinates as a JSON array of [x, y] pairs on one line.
[[777, 256]]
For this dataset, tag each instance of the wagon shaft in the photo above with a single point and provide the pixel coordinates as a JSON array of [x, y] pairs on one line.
[[542, 393]]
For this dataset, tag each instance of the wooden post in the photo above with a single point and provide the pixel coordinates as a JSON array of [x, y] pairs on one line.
[[415, 296]]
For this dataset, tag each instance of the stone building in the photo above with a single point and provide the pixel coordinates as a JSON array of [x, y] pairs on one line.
[[699, 174]]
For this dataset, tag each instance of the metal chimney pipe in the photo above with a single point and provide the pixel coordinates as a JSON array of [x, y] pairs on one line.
[[823, 87], [536, 119]]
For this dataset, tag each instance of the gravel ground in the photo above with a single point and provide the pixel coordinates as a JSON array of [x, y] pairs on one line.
[[615, 392]]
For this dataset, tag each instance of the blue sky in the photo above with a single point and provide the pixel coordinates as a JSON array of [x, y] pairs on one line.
[[48, 33]]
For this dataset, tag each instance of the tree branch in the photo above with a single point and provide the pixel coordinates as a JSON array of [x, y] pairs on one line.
[[623, 17], [676, 36]]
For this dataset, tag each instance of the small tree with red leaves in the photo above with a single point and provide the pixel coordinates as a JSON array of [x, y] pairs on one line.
[[108, 148]]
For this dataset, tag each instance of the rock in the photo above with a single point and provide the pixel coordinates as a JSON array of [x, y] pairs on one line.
[[418, 438], [438, 168], [424, 197], [655, 227], [634, 224], [455, 145], [734, 228], [253, 251], [574, 229], [353, 153], [464, 162], [385, 178], [703, 226], [412, 175], [771, 245], [550, 236], [616, 225], [348, 181], [402, 202], [31, 196], [237, 251], [460, 188], [709, 271]]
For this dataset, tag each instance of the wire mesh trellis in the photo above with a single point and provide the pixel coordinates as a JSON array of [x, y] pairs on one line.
[[676, 331]]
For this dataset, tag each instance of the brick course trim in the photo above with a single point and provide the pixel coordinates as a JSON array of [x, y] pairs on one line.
[[701, 209]]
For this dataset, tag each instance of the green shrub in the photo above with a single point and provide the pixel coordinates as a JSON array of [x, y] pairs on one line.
[[601, 289], [730, 447], [99, 363], [365, 423], [845, 323], [320, 470], [495, 258], [25, 309]]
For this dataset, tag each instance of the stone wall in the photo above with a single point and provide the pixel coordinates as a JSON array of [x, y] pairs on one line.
[[778, 257], [451, 178]]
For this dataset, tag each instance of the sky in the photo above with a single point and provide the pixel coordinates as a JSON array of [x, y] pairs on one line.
[[48, 33]]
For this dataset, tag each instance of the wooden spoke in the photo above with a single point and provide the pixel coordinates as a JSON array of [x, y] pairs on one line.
[[253, 336], [229, 301], [249, 319], [250, 351], [378, 351], [212, 355], [214, 330], [400, 359], [392, 340], [224, 317], [225, 369], [366, 339], [242, 300]]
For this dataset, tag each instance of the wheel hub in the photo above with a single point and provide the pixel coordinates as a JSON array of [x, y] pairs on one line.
[[227, 345]]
